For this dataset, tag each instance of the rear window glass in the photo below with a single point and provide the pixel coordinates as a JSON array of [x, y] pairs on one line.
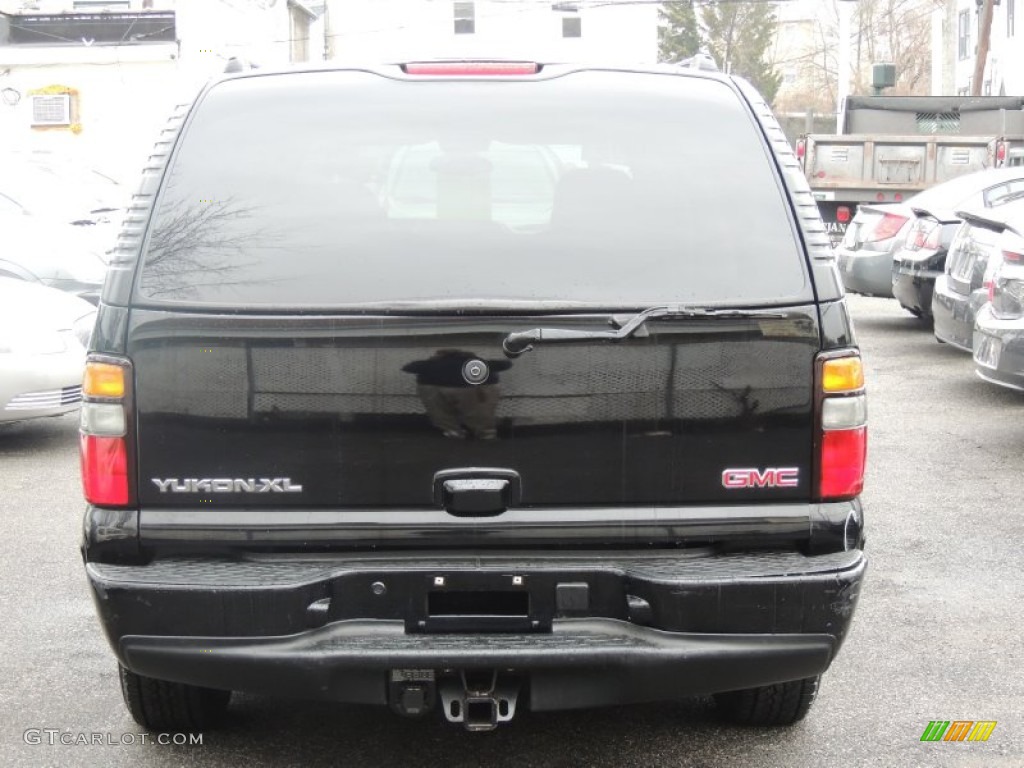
[[348, 188], [964, 191]]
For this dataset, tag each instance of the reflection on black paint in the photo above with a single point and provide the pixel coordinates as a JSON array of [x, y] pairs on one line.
[[454, 406]]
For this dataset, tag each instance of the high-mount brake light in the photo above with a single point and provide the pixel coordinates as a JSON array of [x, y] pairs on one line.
[[472, 68], [842, 420], [103, 433]]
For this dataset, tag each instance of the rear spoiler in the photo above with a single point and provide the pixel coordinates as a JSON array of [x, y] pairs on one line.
[[945, 216], [1009, 214]]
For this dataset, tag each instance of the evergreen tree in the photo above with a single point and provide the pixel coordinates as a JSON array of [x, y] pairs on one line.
[[678, 33], [738, 36]]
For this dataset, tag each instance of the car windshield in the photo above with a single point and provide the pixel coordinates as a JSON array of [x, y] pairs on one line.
[[595, 188]]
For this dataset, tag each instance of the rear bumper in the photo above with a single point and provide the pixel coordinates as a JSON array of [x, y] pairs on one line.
[[914, 291], [954, 315], [866, 272], [999, 350], [913, 278], [645, 627]]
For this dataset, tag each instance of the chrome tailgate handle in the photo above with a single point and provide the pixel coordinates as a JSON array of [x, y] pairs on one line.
[[477, 491]]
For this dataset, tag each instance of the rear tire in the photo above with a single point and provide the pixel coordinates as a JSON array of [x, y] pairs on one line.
[[778, 704], [160, 705]]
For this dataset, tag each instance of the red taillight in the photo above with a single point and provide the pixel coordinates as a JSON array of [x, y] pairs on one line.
[[1011, 243], [104, 433], [843, 456], [801, 148], [926, 235], [842, 214], [104, 470], [472, 68], [990, 286], [888, 226], [842, 425]]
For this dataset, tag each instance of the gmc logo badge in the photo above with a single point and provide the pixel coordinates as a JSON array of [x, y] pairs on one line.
[[772, 477]]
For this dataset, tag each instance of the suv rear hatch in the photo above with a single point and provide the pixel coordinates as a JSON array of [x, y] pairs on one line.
[[309, 321]]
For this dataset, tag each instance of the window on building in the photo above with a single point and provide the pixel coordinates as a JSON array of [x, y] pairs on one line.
[[465, 18], [110, 27], [964, 35], [1010, 18], [572, 26], [51, 110], [789, 76]]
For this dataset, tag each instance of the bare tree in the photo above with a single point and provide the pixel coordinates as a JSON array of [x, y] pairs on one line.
[[890, 31]]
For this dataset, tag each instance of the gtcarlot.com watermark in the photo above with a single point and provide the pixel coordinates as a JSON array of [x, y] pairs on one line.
[[55, 736]]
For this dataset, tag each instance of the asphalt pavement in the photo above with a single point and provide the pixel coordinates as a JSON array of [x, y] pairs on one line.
[[937, 635]]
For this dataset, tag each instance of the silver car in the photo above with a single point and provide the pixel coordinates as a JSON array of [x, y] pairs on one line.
[[999, 325], [43, 337], [865, 256], [973, 257], [52, 254]]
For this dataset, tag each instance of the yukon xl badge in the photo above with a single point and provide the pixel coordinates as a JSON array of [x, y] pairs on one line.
[[227, 485], [772, 477]]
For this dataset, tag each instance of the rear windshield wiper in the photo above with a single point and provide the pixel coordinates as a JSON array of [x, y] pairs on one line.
[[518, 342]]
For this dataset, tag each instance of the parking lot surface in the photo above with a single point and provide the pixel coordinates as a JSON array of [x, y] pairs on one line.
[[937, 635]]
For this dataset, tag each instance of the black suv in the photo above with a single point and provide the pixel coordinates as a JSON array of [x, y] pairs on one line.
[[469, 386]]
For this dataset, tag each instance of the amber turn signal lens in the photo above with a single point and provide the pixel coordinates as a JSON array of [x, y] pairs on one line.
[[103, 380], [844, 374]]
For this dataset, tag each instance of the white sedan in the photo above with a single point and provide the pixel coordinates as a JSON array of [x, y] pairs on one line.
[[44, 334]]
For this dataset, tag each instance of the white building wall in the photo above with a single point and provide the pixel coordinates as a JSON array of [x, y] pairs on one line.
[[122, 103], [404, 30], [127, 92], [213, 31], [1004, 70]]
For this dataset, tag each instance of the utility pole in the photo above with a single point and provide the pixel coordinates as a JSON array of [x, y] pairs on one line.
[[845, 8], [984, 39]]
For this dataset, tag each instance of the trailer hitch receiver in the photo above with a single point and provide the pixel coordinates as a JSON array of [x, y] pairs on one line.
[[479, 699]]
